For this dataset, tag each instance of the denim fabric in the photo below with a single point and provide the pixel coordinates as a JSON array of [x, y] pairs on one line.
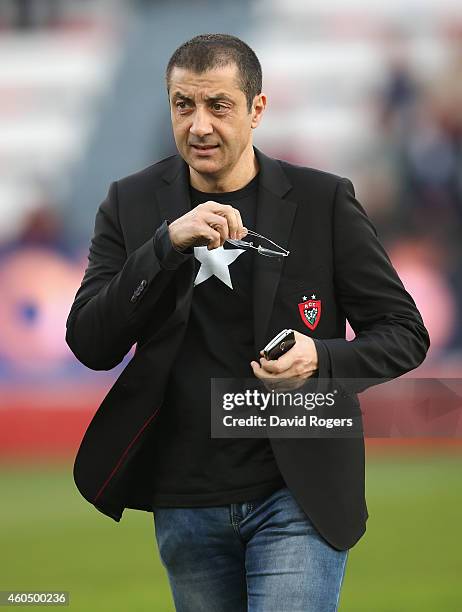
[[264, 555]]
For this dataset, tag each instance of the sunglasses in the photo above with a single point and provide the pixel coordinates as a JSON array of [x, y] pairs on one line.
[[260, 249]]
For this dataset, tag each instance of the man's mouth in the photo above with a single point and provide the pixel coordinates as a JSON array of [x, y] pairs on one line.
[[204, 147], [204, 150]]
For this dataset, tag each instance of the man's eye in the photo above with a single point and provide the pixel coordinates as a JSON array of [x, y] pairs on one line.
[[218, 107], [181, 104]]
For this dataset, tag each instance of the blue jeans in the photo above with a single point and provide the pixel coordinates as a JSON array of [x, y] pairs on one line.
[[259, 556]]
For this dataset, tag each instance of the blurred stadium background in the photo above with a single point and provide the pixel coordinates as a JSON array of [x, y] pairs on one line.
[[369, 90]]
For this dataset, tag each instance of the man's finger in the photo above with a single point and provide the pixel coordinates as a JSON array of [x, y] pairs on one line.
[[227, 211], [263, 373], [276, 366], [286, 381], [291, 372], [218, 223], [240, 225], [213, 239]]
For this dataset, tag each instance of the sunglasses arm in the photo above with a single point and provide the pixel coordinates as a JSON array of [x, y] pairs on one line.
[[270, 252]]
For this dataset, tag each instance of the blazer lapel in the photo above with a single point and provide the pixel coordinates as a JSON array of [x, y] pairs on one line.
[[173, 197], [275, 217]]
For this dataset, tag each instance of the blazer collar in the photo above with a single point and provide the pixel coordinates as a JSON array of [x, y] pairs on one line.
[[275, 216]]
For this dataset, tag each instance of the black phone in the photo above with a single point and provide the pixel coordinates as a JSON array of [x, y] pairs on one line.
[[280, 344]]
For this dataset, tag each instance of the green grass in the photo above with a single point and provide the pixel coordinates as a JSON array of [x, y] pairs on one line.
[[409, 559]]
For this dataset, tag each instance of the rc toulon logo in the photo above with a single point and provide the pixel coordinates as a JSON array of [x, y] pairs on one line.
[[310, 311]]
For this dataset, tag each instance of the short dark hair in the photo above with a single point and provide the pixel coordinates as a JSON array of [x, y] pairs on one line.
[[207, 51]]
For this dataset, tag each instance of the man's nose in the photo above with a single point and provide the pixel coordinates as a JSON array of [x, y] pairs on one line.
[[201, 125]]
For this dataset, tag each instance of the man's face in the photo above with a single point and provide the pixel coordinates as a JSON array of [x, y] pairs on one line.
[[211, 124]]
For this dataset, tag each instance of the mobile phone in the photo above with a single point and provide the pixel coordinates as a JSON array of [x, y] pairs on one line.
[[280, 344]]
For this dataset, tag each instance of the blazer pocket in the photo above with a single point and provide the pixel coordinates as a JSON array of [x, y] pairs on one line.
[[290, 286]]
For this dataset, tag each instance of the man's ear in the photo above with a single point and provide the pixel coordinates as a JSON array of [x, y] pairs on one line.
[[258, 108]]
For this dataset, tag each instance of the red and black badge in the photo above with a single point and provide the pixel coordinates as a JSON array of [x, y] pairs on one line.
[[310, 311]]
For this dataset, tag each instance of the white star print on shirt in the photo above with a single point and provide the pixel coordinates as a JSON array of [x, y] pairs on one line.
[[215, 263]]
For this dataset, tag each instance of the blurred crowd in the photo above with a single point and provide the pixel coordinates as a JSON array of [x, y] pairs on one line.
[[417, 196]]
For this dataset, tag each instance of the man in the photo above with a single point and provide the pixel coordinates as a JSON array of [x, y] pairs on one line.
[[258, 524]]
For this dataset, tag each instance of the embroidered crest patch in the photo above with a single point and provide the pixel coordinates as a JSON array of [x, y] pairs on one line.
[[310, 311]]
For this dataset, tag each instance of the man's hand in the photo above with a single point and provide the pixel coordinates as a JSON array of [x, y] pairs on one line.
[[208, 224], [292, 369]]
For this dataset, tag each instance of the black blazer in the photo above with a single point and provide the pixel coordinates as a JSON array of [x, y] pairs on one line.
[[126, 297]]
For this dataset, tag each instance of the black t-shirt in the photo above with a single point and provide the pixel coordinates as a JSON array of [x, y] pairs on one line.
[[191, 468]]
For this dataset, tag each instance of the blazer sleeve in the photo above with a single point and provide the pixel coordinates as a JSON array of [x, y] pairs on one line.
[[390, 336], [105, 317]]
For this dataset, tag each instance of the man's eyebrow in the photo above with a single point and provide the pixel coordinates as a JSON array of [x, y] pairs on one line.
[[219, 96], [178, 94]]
